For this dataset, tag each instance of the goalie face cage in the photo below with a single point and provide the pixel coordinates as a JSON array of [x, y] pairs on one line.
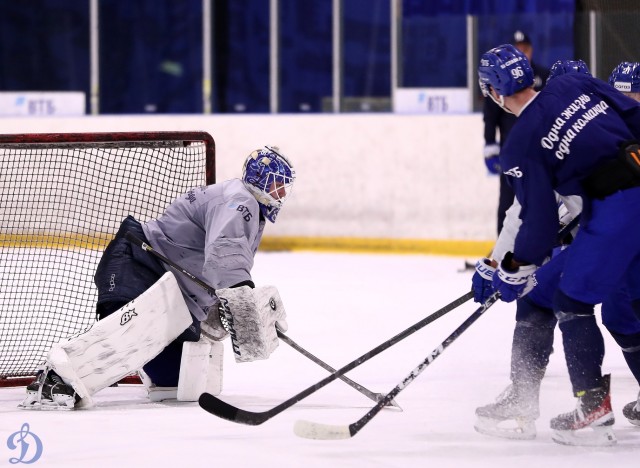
[[63, 198]]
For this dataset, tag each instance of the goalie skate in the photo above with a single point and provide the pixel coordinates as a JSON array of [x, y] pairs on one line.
[[49, 392], [512, 416], [590, 423]]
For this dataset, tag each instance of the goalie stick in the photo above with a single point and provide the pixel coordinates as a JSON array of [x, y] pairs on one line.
[[313, 430], [147, 248], [229, 412]]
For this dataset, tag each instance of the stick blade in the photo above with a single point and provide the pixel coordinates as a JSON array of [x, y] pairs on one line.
[[215, 406], [317, 431], [224, 410], [393, 405]]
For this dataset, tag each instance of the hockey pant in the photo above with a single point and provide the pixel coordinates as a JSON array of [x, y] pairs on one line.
[[602, 261], [125, 272]]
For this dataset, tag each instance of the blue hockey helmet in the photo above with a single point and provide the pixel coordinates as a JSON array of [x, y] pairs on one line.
[[506, 70], [269, 176], [626, 77], [563, 67]]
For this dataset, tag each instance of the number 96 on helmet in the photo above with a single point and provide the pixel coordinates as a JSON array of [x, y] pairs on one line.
[[506, 70]]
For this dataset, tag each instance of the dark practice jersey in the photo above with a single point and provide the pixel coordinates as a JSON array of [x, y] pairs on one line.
[[575, 124]]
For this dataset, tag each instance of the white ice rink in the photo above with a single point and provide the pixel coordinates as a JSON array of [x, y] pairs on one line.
[[339, 307]]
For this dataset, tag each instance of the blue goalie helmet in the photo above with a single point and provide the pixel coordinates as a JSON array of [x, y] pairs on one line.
[[563, 67], [506, 70], [626, 77], [269, 176]]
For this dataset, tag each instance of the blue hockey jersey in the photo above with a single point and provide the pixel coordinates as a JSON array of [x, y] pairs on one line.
[[575, 124]]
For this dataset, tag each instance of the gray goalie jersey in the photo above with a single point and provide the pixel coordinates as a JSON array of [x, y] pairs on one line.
[[212, 232]]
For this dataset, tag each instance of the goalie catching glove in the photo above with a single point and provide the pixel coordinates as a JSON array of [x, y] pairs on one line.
[[251, 317]]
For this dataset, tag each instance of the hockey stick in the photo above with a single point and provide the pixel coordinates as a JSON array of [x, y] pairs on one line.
[[147, 248], [365, 391], [567, 228], [313, 430], [564, 232], [229, 412]]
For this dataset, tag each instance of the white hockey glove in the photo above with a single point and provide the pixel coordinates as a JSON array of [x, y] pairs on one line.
[[251, 317]]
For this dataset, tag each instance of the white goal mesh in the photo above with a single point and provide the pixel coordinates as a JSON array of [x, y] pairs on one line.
[[63, 198]]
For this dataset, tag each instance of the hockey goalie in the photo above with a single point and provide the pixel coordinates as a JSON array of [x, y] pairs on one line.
[[168, 327]]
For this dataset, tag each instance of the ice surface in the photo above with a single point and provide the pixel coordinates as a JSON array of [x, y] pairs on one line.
[[339, 307]]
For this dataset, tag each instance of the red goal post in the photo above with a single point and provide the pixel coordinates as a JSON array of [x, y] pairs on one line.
[[63, 198]]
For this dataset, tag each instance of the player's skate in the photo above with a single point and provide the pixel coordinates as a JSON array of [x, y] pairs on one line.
[[49, 392], [513, 414], [590, 423], [631, 411]]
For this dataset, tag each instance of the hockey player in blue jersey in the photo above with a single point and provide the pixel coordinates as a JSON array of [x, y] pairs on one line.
[[626, 78], [514, 412], [149, 318], [574, 138]]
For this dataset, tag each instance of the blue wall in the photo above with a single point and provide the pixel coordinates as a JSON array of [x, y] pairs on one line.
[[151, 50], [151, 56], [44, 45]]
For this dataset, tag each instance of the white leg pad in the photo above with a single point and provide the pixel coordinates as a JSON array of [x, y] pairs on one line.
[[200, 369], [124, 341]]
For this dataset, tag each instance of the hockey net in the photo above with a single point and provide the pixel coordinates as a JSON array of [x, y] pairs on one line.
[[63, 198]]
